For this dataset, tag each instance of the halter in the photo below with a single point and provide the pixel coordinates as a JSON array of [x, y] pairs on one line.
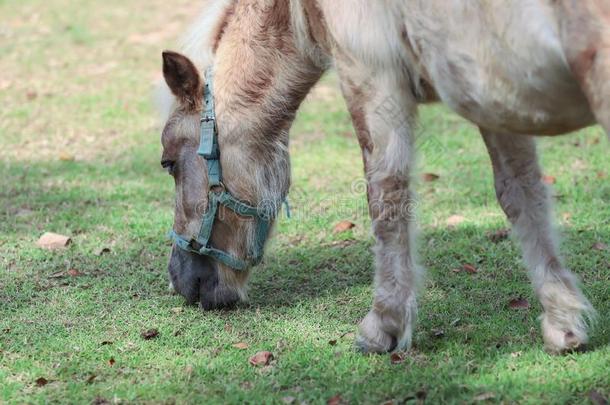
[[218, 195]]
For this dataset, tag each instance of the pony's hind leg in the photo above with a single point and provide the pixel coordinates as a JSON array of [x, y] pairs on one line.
[[382, 109], [524, 199]]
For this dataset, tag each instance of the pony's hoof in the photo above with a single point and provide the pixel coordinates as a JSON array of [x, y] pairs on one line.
[[561, 339], [372, 339]]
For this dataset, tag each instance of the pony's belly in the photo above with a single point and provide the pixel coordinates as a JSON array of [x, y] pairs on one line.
[[501, 65], [528, 112]]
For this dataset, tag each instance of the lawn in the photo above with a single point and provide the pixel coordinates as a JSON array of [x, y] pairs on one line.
[[80, 157]]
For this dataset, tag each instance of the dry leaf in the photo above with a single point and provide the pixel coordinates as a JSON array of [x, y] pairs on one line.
[[566, 216], [430, 177], [41, 382], [599, 246], [455, 220], [597, 398], [484, 396], [516, 354], [5, 84], [288, 400], [102, 250], [601, 175], [518, 303], [261, 359], [470, 269], [150, 334], [550, 180], [53, 241], [344, 226], [90, 379], [111, 362], [499, 235], [241, 346], [336, 400], [177, 310], [397, 358], [74, 273], [348, 335], [58, 274], [66, 156]]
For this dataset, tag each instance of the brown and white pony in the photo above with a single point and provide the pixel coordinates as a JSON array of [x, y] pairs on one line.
[[514, 68]]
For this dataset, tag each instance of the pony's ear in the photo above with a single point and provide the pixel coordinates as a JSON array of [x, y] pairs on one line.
[[182, 77]]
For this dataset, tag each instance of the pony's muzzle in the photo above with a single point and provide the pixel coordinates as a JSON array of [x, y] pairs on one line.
[[195, 277]]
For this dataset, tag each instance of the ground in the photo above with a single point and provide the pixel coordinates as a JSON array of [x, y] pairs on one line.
[[80, 157]]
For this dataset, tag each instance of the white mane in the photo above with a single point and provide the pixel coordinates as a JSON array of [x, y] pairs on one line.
[[196, 44]]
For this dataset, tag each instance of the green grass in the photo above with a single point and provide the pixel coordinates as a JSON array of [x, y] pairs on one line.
[[76, 83]]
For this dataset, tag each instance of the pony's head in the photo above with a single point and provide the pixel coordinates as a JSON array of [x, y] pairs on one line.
[[260, 79]]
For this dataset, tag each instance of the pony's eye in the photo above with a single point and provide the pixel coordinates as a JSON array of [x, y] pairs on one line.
[[169, 166]]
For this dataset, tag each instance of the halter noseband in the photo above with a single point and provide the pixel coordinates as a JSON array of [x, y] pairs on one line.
[[218, 195]]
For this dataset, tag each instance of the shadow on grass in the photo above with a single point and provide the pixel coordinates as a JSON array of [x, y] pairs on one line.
[[121, 202]]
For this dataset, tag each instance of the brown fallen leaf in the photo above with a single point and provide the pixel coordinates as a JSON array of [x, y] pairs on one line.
[[601, 175], [499, 235], [397, 358], [430, 177], [91, 378], [241, 345], [101, 251], [58, 274], [75, 273], [41, 382], [518, 303], [599, 246], [53, 241], [261, 359], [485, 396], [344, 226], [111, 361], [455, 220], [288, 400], [66, 156], [348, 335], [470, 269], [336, 400], [597, 398], [550, 180], [177, 310], [149, 334]]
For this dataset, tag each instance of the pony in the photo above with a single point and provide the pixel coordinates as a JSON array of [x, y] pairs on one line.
[[515, 69]]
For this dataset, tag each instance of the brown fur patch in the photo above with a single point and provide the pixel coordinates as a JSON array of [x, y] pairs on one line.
[[222, 25], [318, 31]]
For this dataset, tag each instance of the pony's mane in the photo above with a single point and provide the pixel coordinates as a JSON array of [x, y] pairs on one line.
[[196, 44]]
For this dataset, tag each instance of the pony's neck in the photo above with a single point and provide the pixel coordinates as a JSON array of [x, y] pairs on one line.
[[261, 78]]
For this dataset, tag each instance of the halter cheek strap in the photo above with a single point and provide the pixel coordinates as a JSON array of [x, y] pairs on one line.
[[217, 196]]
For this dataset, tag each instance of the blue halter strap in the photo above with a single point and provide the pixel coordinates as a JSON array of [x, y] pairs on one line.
[[218, 195]]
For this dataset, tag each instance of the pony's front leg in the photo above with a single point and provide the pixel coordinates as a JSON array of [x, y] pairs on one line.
[[383, 111], [524, 199]]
